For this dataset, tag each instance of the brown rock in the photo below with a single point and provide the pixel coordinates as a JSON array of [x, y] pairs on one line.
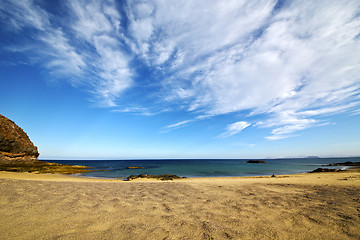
[[160, 177], [325, 170], [18, 153], [348, 163], [15, 145], [255, 161]]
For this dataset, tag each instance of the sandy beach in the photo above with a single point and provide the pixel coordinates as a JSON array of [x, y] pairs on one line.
[[302, 206]]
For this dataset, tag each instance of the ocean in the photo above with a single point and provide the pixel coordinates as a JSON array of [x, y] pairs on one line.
[[203, 167]]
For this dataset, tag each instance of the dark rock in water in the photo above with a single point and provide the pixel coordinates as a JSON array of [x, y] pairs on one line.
[[348, 163], [131, 177], [255, 161], [160, 177], [135, 167], [15, 144], [273, 175], [325, 170]]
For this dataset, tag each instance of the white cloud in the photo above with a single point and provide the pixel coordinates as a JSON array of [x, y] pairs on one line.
[[234, 128], [58, 55], [190, 30], [94, 18], [115, 75], [90, 55], [98, 23], [20, 14], [278, 137], [301, 60], [179, 124], [356, 112], [140, 110], [292, 64], [63, 57]]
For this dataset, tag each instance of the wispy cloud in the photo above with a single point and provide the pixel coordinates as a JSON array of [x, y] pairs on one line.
[[140, 110], [185, 123], [248, 145], [293, 62], [23, 14], [234, 128], [60, 56], [90, 54], [98, 24], [356, 112], [178, 125], [299, 59]]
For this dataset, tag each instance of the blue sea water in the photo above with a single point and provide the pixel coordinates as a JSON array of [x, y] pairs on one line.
[[202, 167]]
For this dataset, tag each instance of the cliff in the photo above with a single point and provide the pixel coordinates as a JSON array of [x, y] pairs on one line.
[[18, 153], [15, 145]]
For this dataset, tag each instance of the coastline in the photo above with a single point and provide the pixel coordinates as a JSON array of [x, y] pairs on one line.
[[301, 206], [80, 178], [202, 167]]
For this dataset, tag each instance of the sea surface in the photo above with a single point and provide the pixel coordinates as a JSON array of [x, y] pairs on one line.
[[203, 167]]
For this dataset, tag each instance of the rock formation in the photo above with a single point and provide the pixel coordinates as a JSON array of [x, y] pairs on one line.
[[345, 164], [160, 177], [18, 153], [325, 170], [15, 144], [255, 161]]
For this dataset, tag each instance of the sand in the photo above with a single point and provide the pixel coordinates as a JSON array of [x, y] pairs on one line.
[[303, 206]]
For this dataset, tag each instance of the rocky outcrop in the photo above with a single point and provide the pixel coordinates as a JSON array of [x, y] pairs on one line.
[[160, 177], [325, 170], [255, 161], [43, 167], [15, 145], [18, 153], [345, 164]]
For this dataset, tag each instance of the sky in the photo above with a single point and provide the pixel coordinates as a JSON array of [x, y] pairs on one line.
[[183, 79]]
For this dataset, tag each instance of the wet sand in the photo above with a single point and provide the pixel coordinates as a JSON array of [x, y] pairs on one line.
[[302, 206]]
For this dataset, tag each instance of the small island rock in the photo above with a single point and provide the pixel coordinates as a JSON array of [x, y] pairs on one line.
[[255, 161], [325, 170]]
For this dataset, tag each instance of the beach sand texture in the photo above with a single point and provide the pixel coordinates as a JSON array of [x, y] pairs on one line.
[[303, 206]]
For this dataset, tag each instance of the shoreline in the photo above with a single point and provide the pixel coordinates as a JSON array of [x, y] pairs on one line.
[[273, 167], [81, 178]]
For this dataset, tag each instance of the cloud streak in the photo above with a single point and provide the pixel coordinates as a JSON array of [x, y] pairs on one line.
[[88, 51], [292, 62], [295, 64], [235, 128]]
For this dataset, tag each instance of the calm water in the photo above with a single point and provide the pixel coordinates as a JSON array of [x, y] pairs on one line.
[[203, 167]]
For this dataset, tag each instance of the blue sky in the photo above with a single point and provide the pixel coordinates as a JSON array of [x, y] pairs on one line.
[[183, 79]]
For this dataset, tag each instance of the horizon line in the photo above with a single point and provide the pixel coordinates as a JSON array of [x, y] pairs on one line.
[[146, 159]]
